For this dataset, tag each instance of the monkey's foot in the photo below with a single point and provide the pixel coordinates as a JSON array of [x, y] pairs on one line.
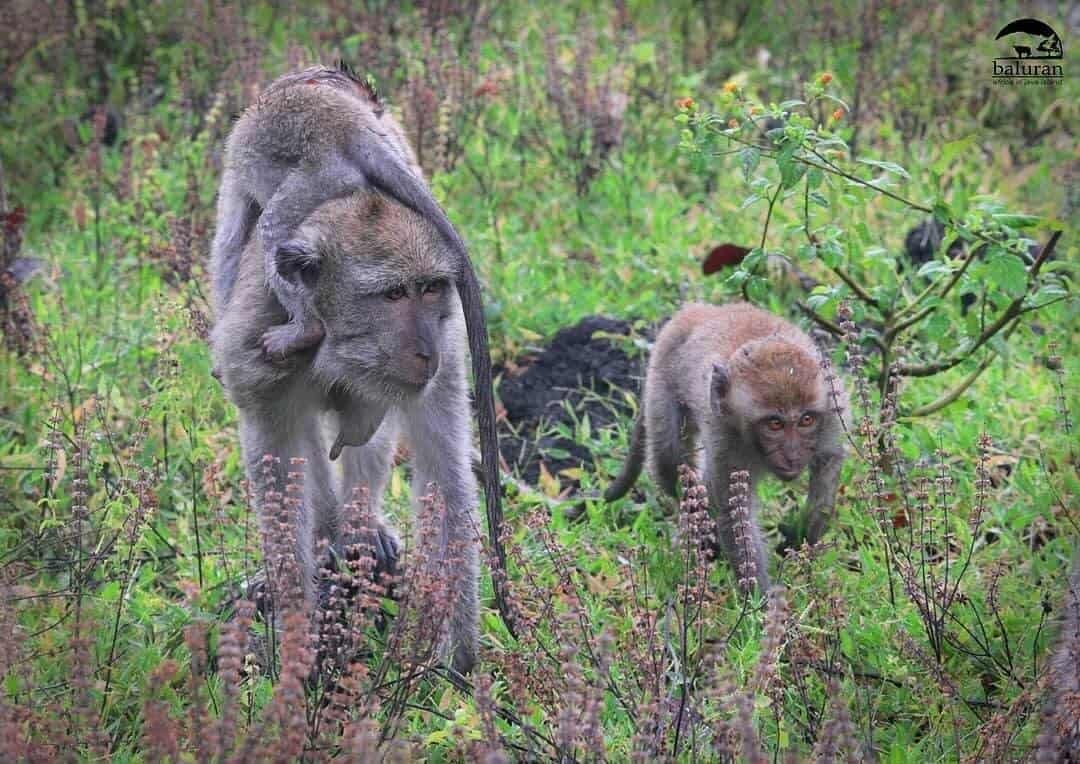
[[381, 543], [280, 342], [387, 554]]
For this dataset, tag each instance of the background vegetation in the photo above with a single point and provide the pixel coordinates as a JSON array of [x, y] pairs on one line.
[[592, 156]]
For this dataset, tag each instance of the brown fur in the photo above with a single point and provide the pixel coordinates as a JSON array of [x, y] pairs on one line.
[[717, 377]]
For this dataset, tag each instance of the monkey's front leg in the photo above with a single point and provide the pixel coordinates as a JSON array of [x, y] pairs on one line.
[[271, 437], [737, 526], [821, 497], [438, 428], [368, 467], [300, 194]]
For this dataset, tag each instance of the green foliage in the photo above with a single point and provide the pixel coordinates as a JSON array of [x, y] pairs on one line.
[[922, 618]]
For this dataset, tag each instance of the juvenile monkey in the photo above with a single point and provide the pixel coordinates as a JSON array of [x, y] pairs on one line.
[[313, 136], [392, 362], [734, 387]]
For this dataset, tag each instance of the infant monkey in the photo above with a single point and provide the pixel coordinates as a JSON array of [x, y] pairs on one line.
[[312, 136], [734, 387]]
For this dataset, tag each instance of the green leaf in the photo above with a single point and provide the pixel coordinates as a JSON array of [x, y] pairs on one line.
[[791, 172], [1017, 220], [933, 268], [937, 325], [644, 52], [889, 167], [749, 157], [758, 288], [942, 212], [791, 104], [749, 201], [1008, 273], [753, 259]]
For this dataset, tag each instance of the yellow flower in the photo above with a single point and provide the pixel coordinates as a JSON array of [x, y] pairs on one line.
[[730, 86]]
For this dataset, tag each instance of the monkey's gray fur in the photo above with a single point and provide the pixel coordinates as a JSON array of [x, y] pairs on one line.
[[732, 388], [312, 136], [392, 362]]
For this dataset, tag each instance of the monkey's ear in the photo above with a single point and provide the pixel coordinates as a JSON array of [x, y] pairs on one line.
[[719, 387], [297, 263]]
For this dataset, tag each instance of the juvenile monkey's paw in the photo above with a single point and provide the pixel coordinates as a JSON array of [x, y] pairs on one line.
[[279, 343]]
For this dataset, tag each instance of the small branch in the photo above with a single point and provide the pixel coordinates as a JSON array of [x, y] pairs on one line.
[[951, 395], [861, 293], [831, 167], [830, 327], [1015, 309], [820, 320], [895, 331], [974, 253]]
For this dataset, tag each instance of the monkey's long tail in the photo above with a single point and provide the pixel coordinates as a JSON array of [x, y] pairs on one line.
[[489, 440], [634, 461]]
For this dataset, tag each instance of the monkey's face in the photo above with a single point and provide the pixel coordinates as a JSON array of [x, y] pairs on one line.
[[772, 392], [380, 280], [787, 440], [393, 336]]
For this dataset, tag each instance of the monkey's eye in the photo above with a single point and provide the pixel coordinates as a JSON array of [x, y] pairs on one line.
[[774, 423], [435, 286], [806, 420], [396, 293]]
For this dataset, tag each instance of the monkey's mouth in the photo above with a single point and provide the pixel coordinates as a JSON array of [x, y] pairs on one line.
[[787, 473]]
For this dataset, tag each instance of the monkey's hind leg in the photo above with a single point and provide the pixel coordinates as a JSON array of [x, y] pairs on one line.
[[236, 217], [300, 194], [666, 446], [281, 342]]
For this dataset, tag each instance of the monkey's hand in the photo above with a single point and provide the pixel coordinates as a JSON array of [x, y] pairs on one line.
[[281, 342]]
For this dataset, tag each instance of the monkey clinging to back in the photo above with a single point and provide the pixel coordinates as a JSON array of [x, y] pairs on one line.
[[746, 389], [312, 136]]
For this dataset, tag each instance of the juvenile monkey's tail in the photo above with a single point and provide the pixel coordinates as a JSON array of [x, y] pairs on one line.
[[634, 461]]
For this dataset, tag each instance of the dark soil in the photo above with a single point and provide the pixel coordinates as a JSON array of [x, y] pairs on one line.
[[579, 372]]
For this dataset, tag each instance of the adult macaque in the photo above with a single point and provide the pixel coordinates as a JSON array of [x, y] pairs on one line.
[[392, 362], [313, 136], [736, 388]]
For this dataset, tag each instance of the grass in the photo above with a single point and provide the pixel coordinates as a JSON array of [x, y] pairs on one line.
[[917, 632]]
